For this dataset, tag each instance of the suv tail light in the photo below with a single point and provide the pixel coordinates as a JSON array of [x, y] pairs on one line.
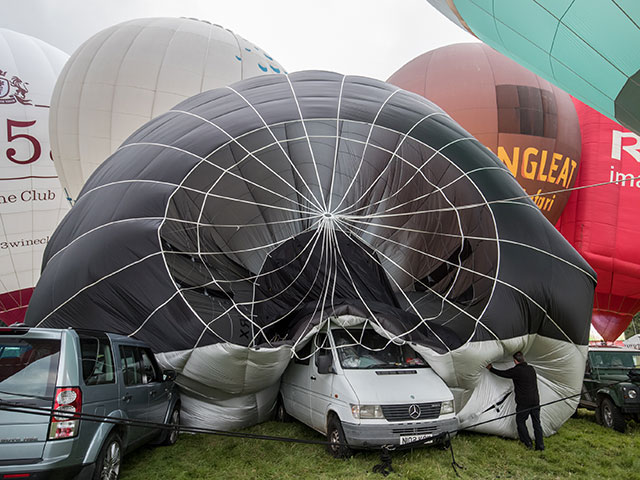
[[67, 401]]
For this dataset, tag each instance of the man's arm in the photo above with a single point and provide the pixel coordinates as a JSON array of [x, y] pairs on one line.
[[509, 373]]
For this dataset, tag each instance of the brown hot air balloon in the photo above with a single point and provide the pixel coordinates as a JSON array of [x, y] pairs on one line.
[[530, 124]]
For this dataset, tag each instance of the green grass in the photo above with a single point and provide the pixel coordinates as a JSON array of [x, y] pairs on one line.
[[580, 450]]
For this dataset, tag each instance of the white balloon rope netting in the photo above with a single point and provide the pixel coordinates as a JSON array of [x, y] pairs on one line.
[[305, 206]]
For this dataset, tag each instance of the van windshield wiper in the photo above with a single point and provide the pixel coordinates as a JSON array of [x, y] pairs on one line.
[[384, 365]]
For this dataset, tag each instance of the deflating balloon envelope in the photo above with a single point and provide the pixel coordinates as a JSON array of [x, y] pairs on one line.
[[228, 229]]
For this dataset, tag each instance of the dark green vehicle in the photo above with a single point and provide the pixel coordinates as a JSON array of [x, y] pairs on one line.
[[612, 385]]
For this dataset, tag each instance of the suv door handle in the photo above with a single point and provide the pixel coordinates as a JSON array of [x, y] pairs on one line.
[[313, 377], [127, 397], [152, 393]]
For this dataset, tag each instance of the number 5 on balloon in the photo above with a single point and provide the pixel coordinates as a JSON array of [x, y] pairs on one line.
[[37, 149]]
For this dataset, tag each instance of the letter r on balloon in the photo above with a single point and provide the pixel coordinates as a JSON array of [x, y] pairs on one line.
[[617, 147]]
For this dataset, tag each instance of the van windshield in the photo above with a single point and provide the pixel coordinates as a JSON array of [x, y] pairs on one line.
[[28, 370], [365, 349]]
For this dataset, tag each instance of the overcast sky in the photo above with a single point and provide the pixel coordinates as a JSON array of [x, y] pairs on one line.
[[363, 37]]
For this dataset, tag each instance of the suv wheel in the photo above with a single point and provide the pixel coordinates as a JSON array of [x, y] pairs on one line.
[[337, 441], [172, 435], [598, 413], [109, 459], [612, 416]]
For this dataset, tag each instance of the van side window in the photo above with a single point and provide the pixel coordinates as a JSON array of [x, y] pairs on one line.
[[303, 355], [151, 372], [131, 365], [97, 360]]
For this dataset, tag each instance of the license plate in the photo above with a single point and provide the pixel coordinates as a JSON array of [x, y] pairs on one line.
[[414, 438]]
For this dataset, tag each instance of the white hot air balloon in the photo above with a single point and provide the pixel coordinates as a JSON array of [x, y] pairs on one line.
[[131, 72], [31, 199]]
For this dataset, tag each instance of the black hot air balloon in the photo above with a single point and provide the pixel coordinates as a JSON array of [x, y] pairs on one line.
[[226, 230]]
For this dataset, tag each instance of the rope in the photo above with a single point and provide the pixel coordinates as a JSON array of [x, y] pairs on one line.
[[454, 464], [385, 466], [43, 411]]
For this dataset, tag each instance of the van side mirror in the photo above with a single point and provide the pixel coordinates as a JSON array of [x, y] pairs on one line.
[[168, 375], [325, 364]]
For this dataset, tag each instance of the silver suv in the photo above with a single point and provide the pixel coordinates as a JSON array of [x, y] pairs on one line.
[[94, 373]]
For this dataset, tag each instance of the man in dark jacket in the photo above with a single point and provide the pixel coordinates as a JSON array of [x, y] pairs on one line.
[[525, 385]]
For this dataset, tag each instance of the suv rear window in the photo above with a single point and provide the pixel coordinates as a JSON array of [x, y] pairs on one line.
[[97, 360], [28, 369]]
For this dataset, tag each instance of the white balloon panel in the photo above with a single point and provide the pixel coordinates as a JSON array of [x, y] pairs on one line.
[[131, 72], [31, 200]]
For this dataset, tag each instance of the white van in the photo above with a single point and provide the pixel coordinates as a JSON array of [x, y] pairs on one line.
[[362, 390]]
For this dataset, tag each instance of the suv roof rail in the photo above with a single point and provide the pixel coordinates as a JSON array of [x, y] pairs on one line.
[[95, 331], [22, 328], [14, 330]]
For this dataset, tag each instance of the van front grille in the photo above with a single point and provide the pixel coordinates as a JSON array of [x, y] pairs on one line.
[[396, 413], [415, 430]]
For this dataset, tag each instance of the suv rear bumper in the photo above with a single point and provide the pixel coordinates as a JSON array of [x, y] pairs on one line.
[[376, 435], [45, 472]]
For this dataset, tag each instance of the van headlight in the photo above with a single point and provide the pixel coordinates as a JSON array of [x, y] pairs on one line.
[[632, 393], [366, 411], [446, 407]]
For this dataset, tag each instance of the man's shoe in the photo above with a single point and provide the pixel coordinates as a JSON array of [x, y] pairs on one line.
[[529, 446], [541, 447]]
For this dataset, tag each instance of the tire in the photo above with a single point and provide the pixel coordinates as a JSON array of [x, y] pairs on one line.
[[109, 459], [281, 412], [598, 412], [611, 416], [171, 436], [337, 441]]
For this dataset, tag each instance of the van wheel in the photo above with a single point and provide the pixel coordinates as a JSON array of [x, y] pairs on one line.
[[109, 459], [281, 412], [612, 416], [171, 436], [337, 441]]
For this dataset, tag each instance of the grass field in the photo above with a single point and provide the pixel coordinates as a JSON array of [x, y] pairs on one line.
[[581, 450]]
